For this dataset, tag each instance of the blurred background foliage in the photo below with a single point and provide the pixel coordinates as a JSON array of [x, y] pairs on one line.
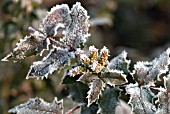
[[141, 27]]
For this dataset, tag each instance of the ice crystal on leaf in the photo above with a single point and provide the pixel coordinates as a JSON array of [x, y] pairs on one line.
[[95, 90], [76, 33], [59, 16], [120, 63], [56, 59], [114, 77], [38, 106], [108, 101], [140, 99], [149, 71], [26, 47]]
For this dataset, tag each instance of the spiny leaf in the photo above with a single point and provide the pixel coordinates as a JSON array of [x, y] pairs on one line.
[[38, 106], [76, 33], [95, 90], [25, 47], [108, 101], [56, 59], [140, 99], [149, 71], [120, 63], [59, 16], [88, 78], [114, 77]]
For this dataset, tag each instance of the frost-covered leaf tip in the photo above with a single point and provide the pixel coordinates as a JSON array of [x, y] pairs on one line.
[[26, 47], [38, 106]]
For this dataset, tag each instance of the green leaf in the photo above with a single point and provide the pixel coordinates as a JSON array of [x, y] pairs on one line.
[[92, 109], [88, 78], [140, 99], [150, 71], [38, 106], [114, 77], [95, 90], [120, 63], [55, 60], [25, 47], [69, 80], [78, 91], [108, 101]]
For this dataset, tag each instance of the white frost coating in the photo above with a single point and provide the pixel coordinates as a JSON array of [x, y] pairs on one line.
[[132, 88], [58, 16], [93, 49], [104, 50], [58, 26], [118, 78], [148, 71], [38, 106], [95, 90], [120, 60], [56, 59], [47, 47], [140, 99], [75, 71], [94, 65]]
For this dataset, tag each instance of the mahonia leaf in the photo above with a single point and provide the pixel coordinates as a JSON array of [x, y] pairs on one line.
[[77, 33], [95, 90], [78, 91], [57, 58], [108, 101], [38, 106], [148, 71], [114, 77], [140, 99], [88, 78], [25, 47], [120, 63], [59, 16]]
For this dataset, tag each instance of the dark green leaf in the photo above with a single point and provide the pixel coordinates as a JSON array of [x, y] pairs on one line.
[[92, 109], [78, 91], [108, 101]]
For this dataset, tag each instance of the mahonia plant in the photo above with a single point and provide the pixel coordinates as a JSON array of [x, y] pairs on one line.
[[93, 81]]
